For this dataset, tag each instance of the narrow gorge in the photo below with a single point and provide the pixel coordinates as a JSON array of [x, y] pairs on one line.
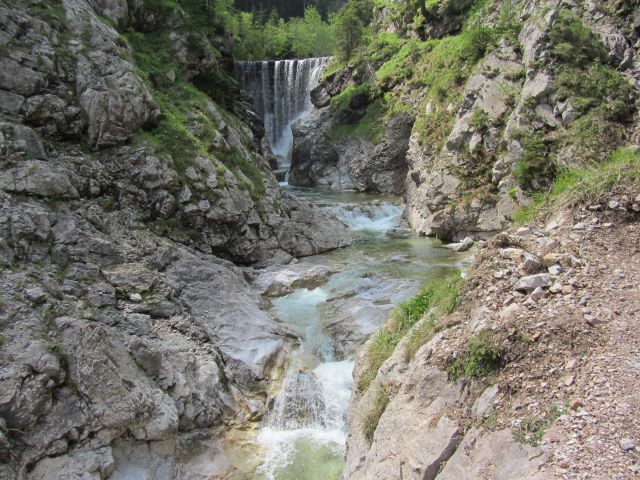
[[355, 240]]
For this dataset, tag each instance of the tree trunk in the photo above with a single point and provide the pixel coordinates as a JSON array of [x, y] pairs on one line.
[[423, 9]]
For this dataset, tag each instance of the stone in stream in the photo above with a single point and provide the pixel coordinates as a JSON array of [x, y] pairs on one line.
[[355, 315], [278, 281]]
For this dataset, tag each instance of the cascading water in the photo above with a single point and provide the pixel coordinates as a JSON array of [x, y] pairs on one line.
[[299, 404], [280, 91]]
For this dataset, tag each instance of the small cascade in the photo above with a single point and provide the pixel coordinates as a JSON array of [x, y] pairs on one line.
[[300, 403], [280, 91], [372, 217]]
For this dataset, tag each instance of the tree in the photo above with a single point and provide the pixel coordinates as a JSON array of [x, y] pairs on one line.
[[348, 31]]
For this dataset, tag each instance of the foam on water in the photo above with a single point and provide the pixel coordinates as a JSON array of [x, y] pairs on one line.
[[377, 218], [328, 435]]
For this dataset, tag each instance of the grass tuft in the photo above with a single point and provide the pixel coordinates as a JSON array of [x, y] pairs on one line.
[[372, 418], [481, 358], [575, 186]]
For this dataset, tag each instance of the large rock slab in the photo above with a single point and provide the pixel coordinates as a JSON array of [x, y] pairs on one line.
[[412, 435], [219, 299], [494, 456], [358, 313]]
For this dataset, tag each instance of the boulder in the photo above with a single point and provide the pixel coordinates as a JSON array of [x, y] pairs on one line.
[[531, 282]]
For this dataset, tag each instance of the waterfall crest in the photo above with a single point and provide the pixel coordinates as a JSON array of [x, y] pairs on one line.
[[280, 91]]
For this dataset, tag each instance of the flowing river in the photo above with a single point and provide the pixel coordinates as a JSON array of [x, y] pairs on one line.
[[303, 436]]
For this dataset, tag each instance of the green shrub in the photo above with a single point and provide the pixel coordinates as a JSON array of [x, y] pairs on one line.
[[535, 162], [480, 120], [596, 85], [574, 43], [481, 357]]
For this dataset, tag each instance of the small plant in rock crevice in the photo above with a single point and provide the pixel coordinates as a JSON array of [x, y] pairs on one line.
[[482, 356], [531, 430]]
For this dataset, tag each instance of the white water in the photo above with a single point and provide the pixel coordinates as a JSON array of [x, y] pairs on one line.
[[333, 382], [376, 218], [307, 421], [280, 91]]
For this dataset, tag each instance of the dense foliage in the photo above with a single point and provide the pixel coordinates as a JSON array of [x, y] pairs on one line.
[[288, 9], [260, 35], [273, 29]]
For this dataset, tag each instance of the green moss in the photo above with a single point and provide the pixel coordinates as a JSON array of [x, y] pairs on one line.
[[235, 162], [50, 11], [340, 103], [3, 340], [61, 275], [369, 127], [482, 356]]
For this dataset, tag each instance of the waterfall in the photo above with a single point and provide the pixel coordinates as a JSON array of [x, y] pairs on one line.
[[299, 404], [280, 91]]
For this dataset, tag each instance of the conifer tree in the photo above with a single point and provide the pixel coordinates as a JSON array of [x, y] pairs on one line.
[[349, 32]]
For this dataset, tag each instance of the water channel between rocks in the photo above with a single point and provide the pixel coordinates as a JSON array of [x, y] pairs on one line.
[[303, 436]]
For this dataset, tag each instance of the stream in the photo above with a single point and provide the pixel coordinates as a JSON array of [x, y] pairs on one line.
[[303, 435]]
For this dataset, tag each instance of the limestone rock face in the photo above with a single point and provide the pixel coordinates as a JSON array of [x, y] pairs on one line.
[[421, 429], [436, 179], [495, 452], [351, 162]]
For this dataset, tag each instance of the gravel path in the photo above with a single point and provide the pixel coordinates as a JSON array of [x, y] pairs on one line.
[[599, 438]]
